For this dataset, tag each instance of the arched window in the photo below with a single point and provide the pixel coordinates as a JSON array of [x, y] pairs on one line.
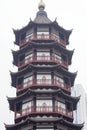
[[44, 106], [43, 56], [44, 79]]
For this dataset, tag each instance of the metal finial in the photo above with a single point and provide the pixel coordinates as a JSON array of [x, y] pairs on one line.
[[41, 4]]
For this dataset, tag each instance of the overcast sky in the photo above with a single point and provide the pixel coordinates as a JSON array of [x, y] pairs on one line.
[[71, 14]]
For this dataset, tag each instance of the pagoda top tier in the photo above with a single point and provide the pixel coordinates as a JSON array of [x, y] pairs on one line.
[[41, 20], [41, 16]]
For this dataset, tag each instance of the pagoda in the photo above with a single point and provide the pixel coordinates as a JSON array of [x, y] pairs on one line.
[[43, 81]]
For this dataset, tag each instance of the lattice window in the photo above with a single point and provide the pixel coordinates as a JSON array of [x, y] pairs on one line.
[[43, 78], [43, 55], [44, 105]]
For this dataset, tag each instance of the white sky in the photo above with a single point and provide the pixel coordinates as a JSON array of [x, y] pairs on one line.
[[71, 14]]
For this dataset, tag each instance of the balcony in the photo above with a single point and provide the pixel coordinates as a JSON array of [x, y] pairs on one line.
[[44, 82], [42, 37], [43, 59], [42, 110]]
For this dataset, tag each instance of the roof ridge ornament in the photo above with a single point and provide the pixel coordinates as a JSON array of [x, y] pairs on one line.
[[41, 5]]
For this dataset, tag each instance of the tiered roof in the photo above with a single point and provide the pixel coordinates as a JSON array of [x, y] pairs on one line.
[[69, 53], [42, 19], [30, 92], [30, 67], [34, 120]]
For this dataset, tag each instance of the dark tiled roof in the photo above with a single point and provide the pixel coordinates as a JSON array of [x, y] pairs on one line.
[[59, 92], [41, 17], [53, 119]]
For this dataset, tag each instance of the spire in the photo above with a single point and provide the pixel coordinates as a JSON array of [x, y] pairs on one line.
[[41, 4], [41, 16]]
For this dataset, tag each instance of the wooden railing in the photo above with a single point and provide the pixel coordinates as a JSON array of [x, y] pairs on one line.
[[43, 37], [43, 109], [42, 59], [45, 82]]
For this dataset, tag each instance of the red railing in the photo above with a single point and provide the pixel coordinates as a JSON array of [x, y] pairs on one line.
[[44, 82], [42, 59], [42, 37], [43, 109]]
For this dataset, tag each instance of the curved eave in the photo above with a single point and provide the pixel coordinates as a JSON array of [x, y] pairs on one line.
[[15, 75], [15, 57], [69, 53], [19, 52], [60, 92], [25, 48], [15, 54], [45, 20], [71, 98], [16, 125], [74, 100], [29, 120], [71, 75], [12, 100], [61, 70], [30, 67], [42, 120], [73, 125], [23, 28], [59, 120], [13, 78], [17, 32], [67, 32]]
